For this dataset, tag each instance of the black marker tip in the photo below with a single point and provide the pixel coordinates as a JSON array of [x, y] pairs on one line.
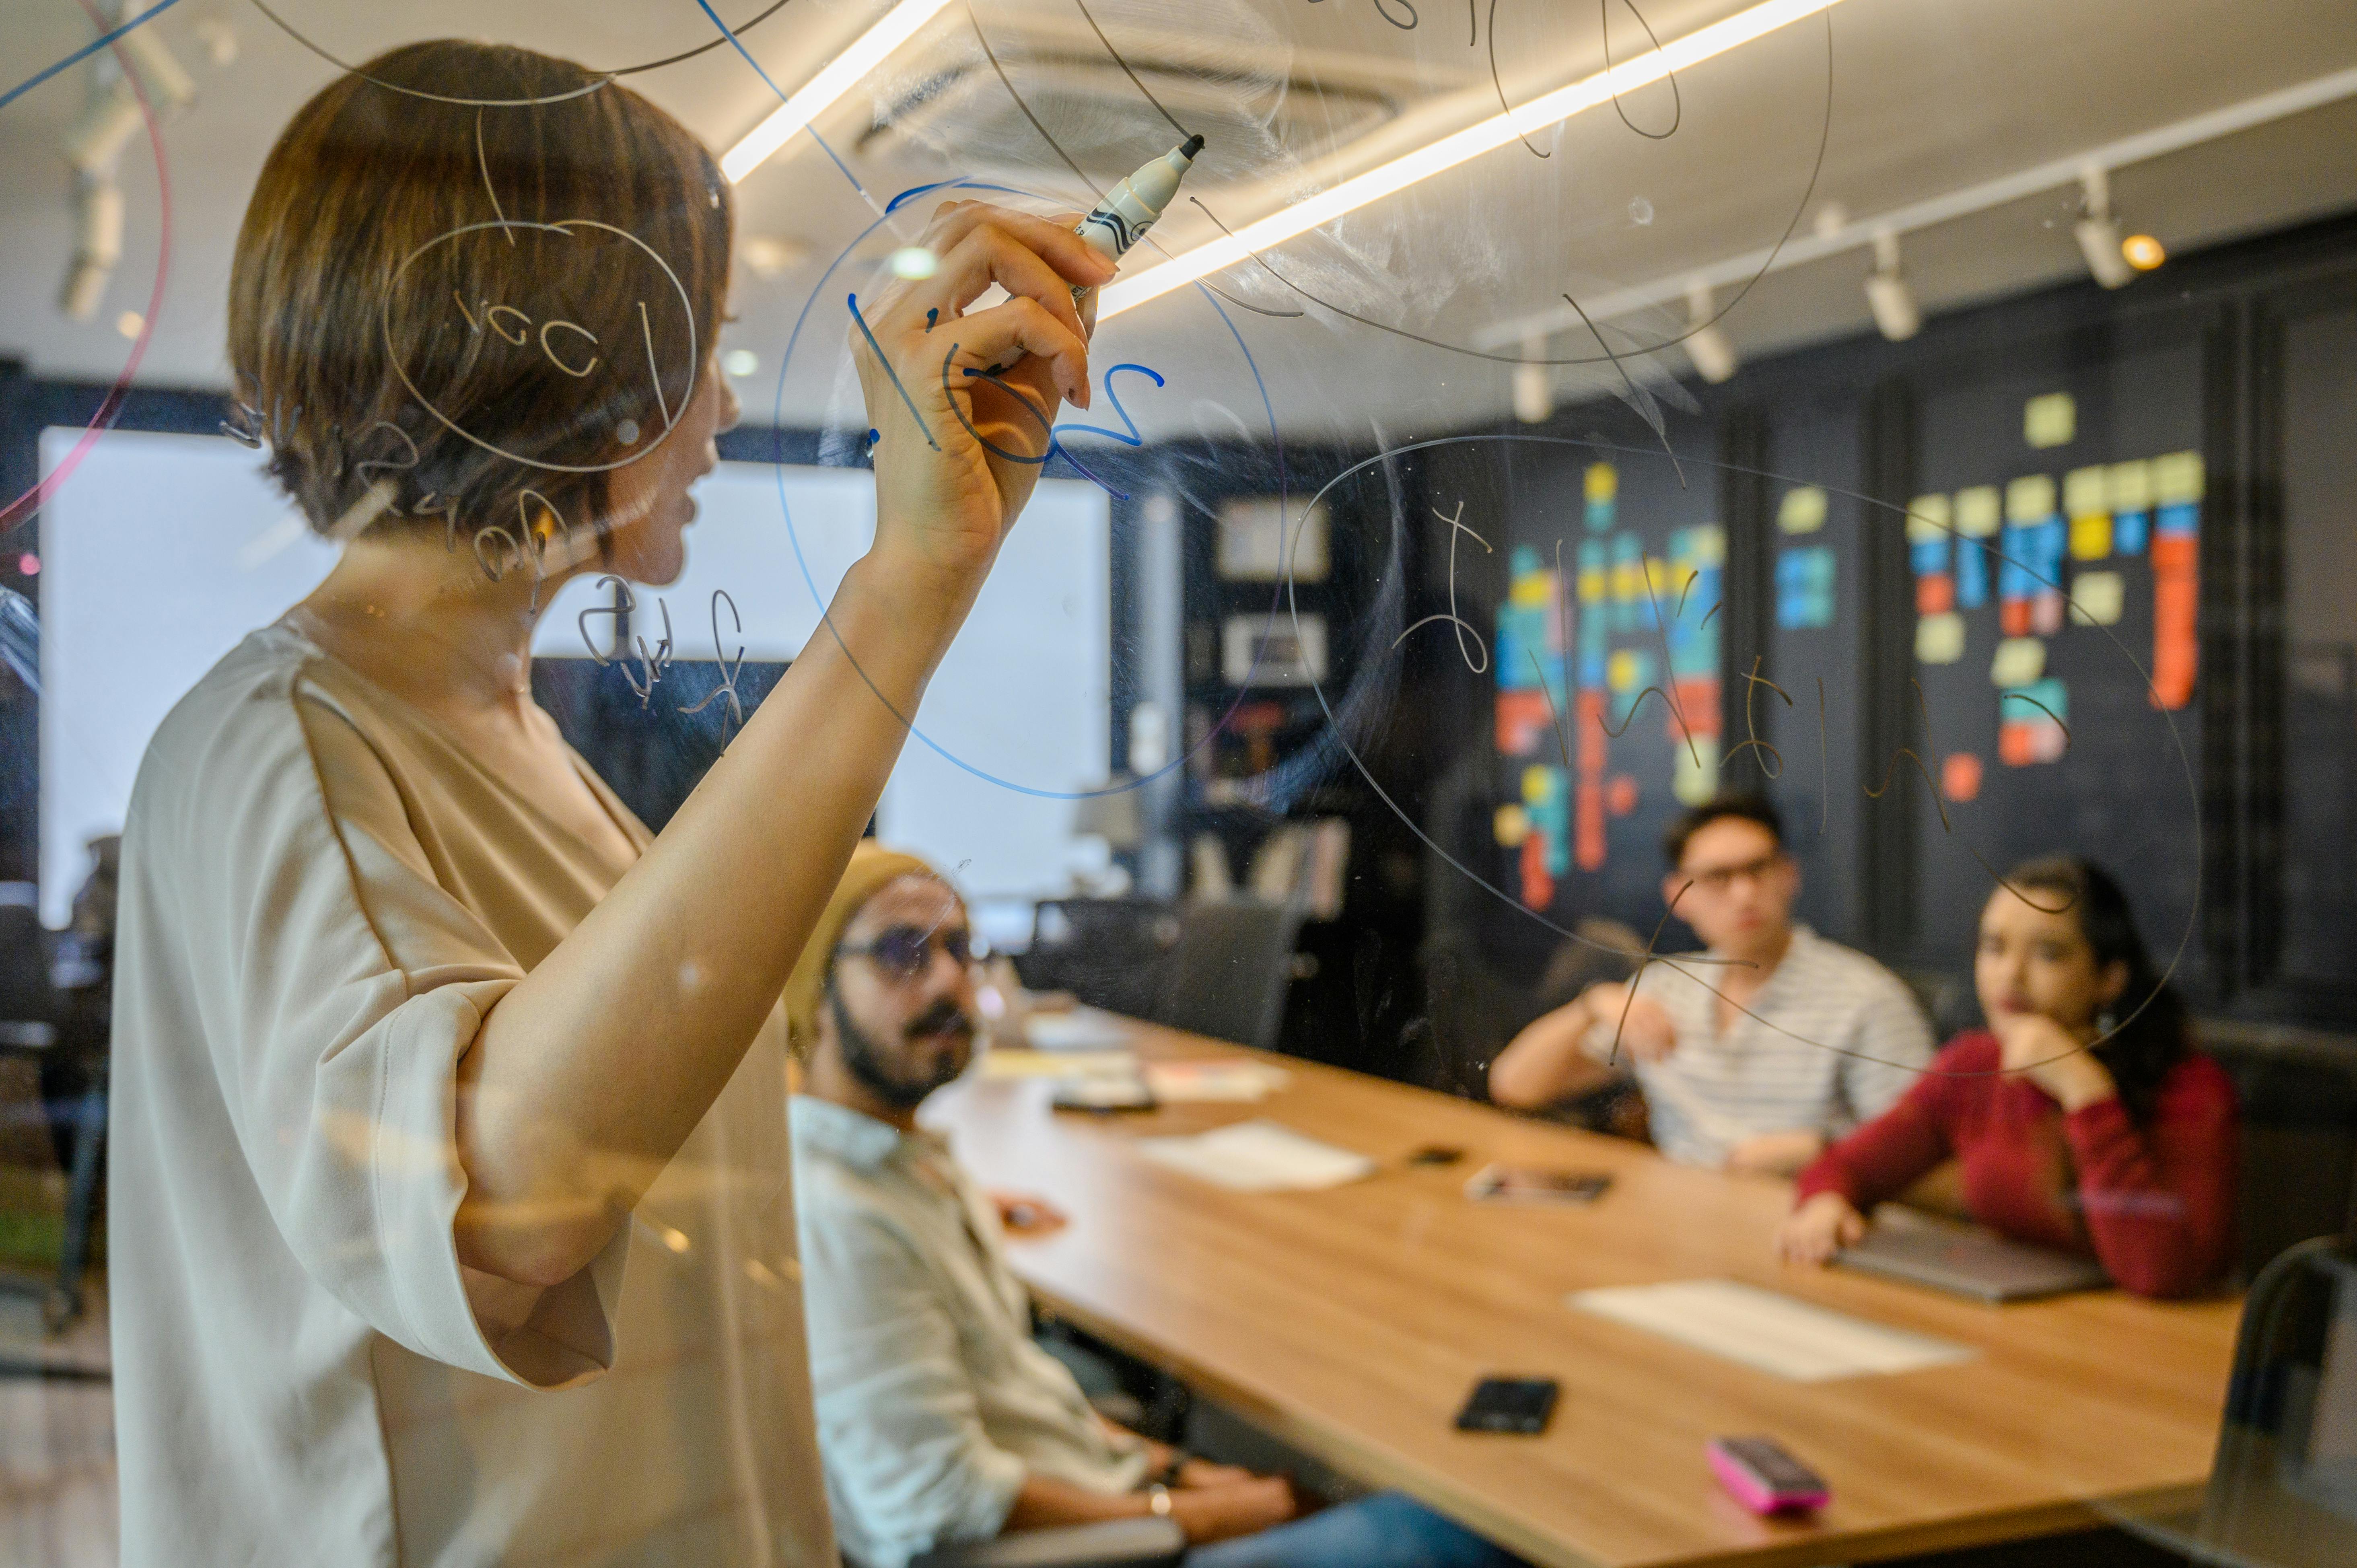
[[1192, 145]]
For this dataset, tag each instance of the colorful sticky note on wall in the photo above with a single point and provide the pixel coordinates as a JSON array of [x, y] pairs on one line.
[[2084, 491], [1620, 794], [1960, 777], [1694, 770], [2052, 420], [1603, 488], [1929, 518], [2018, 661], [2032, 724], [1972, 575], [1525, 722], [2097, 598], [1978, 511], [2091, 535], [1802, 510], [2128, 487], [2177, 477], [1804, 587], [1510, 825], [1940, 639], [2029, 499], [1935, 593]]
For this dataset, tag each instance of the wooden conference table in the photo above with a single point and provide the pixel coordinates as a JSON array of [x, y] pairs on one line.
[[1351, 1322]]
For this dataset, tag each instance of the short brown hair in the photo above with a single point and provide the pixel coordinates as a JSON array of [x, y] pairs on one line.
[[1747, 804], [405, 259]]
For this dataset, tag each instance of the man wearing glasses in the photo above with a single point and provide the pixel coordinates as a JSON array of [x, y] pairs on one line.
[[1753, 1054], [940, 1421]]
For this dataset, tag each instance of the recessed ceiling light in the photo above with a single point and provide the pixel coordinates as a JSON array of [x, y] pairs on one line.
[[899, 25], [740, 362], [770, 256], [131, 324], [2142, 252], [913, 261]]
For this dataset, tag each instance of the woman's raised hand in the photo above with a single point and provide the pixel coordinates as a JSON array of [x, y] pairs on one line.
[[944, 498]]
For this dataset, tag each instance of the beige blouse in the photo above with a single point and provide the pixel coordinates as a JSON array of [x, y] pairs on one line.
[[322, 895]]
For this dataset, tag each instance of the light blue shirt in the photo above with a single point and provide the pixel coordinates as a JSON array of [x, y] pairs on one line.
[[933, 1402]]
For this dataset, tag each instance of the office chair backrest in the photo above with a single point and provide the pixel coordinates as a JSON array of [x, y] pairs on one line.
[[1234, 963], [26, 994], [1114, 953], [2299, 1146]]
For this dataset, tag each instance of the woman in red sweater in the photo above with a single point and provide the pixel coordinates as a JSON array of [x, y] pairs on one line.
[[2081, 1117]]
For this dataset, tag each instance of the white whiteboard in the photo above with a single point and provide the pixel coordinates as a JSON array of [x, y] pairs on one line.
[[161, 552]]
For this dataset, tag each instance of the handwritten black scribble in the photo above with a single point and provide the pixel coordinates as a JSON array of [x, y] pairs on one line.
[[1753, 680], [484, 163], [1712, 611], [1096, 192], [1670, 696], [1463, 628], [1383, 11], [409, 459], [728, 673], [1638, 399], [1940, 805], [603, 76], [651, 662], [1653, 955], [2025, 697], [1499, 83], [1692, 578], [882, 359], [1183, 132], [1678, 107], [1808, 193]]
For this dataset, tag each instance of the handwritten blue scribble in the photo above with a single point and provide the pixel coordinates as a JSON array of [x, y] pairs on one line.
[[20, 639], [83, 53], [888, 370], [812, 130], [1056, 434]]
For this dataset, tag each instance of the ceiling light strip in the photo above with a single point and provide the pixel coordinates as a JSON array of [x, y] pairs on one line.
[[1964, 202], [836, 79], [1438, 156]]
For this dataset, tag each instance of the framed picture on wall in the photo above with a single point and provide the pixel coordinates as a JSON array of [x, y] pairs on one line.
[[1257, 536]]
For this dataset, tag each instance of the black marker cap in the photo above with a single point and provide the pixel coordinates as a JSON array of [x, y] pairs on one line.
[[1193, 144]]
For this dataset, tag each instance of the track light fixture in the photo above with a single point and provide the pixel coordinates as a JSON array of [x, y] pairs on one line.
[[1713, 357], [2099, 234], [1533, 387], [1887, 294]]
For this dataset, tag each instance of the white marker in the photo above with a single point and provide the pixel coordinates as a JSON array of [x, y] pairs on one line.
[[1129, 209]]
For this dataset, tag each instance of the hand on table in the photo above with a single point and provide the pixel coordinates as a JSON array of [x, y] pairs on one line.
[[1236, 1508], [2035, 1047], [1204, 1473], [943, 498], [1022, 1215], [1813, 1233], [1776, 1153]]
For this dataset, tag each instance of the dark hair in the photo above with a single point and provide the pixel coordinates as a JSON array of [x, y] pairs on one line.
[[404, 262], [2152, 1034], [1747, 804]]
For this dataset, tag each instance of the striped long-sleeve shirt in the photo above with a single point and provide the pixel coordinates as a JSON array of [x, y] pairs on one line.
[[1837, 1040]]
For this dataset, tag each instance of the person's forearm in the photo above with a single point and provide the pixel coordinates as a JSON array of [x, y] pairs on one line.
[[1545, 1061], [586, 1078], [1044, 1502]]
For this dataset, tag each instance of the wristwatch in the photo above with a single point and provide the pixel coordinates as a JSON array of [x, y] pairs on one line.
[[1157, 1498]]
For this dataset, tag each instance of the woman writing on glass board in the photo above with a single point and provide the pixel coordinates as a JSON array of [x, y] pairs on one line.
[[450, 1218]]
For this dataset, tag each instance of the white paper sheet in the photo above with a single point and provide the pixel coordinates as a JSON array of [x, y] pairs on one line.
[[1768, 1332], [1082, 1029], [1231, 1080], [1258, 1156]]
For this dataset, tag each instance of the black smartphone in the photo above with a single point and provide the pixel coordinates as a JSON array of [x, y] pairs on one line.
[[1509, 1404]]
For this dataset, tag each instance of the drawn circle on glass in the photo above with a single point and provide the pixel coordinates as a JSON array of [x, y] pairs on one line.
[[726, 36], [671, 416], [778, 465], [1892, 515]]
